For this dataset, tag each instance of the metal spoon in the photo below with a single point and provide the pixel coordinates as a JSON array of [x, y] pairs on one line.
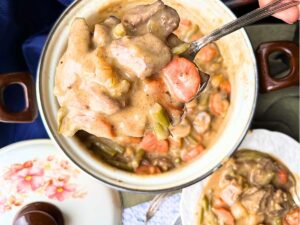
[[250, 18], [155, 204]]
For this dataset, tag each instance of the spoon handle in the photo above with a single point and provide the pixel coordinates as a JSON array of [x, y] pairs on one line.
[[249, 18]]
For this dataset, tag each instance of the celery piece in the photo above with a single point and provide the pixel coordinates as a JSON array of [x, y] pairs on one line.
[[161, 132], [119, 31], [159, 115], [139, 155], [205, 203], [180, 48]]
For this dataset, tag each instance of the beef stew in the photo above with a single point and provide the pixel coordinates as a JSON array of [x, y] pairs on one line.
[[122, 90], [252, 188]]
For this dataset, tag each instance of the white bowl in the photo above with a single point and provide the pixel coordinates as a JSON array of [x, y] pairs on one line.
[[276, 144], [238, 57]]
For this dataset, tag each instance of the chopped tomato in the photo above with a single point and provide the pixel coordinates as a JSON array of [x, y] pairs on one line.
[[182, 79], [225, 86], [207, 53], [282, 176], [151, 144], [193, 153], [293, 217], [224, 216], [218, 105], [149, 170]]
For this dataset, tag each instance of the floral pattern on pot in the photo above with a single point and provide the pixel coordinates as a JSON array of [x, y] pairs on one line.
[[51, 177]]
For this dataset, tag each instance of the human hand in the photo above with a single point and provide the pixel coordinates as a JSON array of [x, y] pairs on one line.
[[289, 16]]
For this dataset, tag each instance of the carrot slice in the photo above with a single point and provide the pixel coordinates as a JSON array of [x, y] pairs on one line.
[[182, 79], [218, 106], [219, 202], [293, 217], [193, 153], [148, 170], [186, 22], [282, 176], [207, 53], [224, 216], [151, 144], [225, 86]]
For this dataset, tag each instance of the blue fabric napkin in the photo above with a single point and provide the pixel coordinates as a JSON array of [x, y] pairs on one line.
[[24, 25]]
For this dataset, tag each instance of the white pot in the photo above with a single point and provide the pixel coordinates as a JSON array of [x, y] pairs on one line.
[[238, 57]]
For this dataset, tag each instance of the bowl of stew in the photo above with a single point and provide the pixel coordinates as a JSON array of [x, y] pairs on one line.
[[117, 97], [259, 184]]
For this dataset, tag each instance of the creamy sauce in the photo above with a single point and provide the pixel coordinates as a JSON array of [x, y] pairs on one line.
[[134, 116], [236, 187], [101, 97]]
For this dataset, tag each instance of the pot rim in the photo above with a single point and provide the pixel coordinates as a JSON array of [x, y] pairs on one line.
[[51, 131]]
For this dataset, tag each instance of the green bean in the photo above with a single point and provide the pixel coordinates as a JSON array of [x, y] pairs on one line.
[[205, 203], [119, 31], [201, 219], [120, 165], [161, 132], [204, 208], [138, 158], [112, 145], [98, 146], [159, 115], [180, 48], [210, 219]]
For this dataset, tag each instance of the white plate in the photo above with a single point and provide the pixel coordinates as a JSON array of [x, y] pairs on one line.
[[36, 171], [277, 144]]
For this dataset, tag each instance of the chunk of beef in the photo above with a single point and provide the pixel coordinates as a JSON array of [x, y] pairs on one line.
[[173, 41], [140, 56], [89, 96], [111, 21], [252, 197], [72, 120], [98, 101], [268, 201], [79, 39], [156, 18], [231, 193]]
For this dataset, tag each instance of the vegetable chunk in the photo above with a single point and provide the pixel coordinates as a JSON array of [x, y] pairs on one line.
[[151, 144], [182, 79]]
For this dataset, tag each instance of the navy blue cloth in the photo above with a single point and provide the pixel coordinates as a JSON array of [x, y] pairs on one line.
[[24, 25]]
